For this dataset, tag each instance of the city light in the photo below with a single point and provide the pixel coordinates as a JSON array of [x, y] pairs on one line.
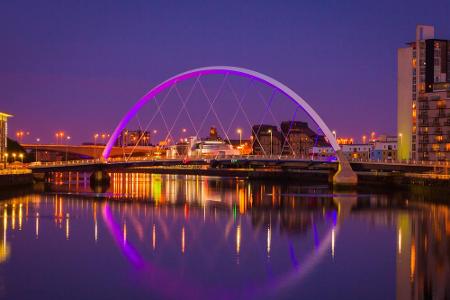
[[239, 131]]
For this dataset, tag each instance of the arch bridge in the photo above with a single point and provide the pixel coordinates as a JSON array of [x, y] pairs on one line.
[[344, 175]]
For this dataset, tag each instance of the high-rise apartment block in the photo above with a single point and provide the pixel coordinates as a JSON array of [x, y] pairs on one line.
[[3, 135], [423, 97]]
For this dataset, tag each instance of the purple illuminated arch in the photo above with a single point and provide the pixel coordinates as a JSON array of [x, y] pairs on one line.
[[220, 70]]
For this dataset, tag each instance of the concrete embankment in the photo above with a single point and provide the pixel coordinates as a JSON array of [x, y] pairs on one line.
[[15, 180], [364, 178]]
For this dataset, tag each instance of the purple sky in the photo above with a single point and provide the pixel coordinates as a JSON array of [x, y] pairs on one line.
[[79, 66]]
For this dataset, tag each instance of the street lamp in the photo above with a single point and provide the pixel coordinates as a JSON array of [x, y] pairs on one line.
[[271, 139], [334, 133], [240, 136], [364, 139], [36, 152], [21, 157], [6, 159], [95, 139], [14, 157], [67, 145], [59, 136], [19, 135]]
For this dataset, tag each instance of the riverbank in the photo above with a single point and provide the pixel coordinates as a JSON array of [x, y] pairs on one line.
[[15, 178], [391, 179]]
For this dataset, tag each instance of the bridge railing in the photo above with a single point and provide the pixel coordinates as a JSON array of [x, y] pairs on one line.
[[14, 171], [186, 159]]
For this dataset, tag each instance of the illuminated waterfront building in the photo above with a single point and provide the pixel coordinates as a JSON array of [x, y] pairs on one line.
[[3, 135], [294, 138], [134, 138], [299, 138], [423, 97], [267, 140]]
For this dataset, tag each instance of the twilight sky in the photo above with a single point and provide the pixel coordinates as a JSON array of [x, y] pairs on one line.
[[80, 65]]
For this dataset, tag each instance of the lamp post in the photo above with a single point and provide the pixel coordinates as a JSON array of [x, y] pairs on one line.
[[271, 140], [21, 157], [6, 159], [95, 139], [36, 150], [14, 157], [240, 136], [334, 133], [67, 146]]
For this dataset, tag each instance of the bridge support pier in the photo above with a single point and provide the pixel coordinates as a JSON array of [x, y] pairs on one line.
[[345, 176], [100, 177]]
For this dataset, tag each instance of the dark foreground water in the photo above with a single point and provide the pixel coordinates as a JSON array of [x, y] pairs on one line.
[[190, 237]]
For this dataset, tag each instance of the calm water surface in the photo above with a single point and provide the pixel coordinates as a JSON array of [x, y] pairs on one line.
[[190, 237]]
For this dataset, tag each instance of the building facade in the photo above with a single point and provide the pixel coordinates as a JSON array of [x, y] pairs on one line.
[[357, 151], [294, 139], [3, 135], [384, 149], [298, 138], [266, 140], [134, 138], [423, 97]]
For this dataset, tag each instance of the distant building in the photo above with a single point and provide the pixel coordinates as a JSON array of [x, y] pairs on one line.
[[298, 138], [3, 135], [322, 152], [384, 148], [213, 135], [423, 97], [133, 137], [266, 140], [295, 138], [357, 151]]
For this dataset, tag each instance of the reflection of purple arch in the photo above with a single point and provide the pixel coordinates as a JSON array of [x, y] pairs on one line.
[[220, 70], [192, 290]]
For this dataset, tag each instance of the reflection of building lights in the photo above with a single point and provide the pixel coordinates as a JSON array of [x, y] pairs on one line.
[[124, 232], [5, 224], [269, 238], [399, 241], [13, 217], [4, 250], [333, 233], [238, 239], [20, 216], [183, 240], [95, 231], [67, 226], [413, 260], [154, 237], [37, 225]]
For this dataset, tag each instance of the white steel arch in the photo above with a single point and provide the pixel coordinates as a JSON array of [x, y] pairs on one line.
[[221, 70]]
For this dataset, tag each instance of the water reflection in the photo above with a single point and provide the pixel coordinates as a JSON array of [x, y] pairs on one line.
[[203, 237]]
